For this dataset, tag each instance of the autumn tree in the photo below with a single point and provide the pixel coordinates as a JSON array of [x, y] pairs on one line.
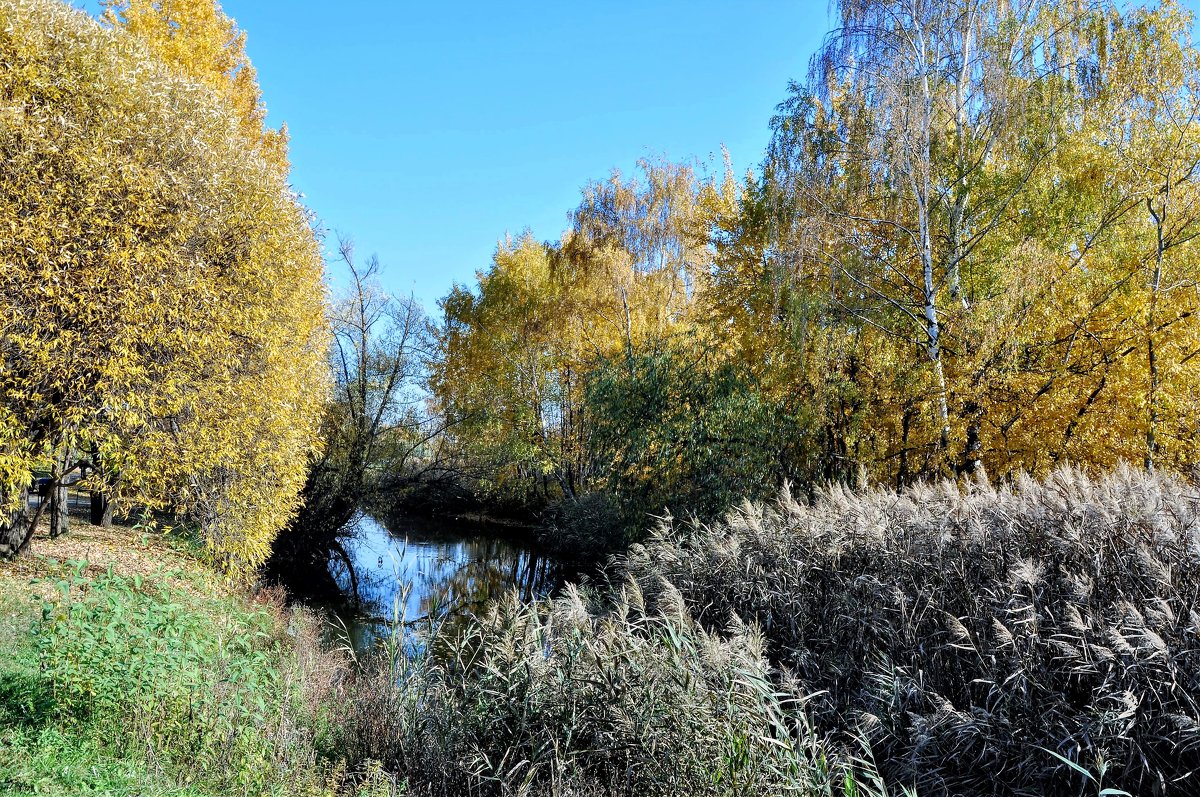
[[1091, 297], [161, 299], [897, 162], [198, 39], [941, 203], [1154, 150], [501, 374], [514, 356]]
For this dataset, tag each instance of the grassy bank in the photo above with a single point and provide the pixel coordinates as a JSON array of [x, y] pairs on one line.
[[134, 669]]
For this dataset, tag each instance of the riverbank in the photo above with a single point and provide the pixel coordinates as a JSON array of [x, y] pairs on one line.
[[132, 668], [583, 532], [964, 639]]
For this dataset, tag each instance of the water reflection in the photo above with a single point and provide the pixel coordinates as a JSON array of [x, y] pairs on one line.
[[418, 569]]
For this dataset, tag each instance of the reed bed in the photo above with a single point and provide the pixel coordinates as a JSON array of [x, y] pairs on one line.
[[571, 697], [985, 639]]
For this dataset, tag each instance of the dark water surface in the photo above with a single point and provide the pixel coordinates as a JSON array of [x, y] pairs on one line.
[[415, 569]]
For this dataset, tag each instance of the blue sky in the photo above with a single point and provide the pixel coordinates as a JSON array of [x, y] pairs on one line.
[[426, 131]]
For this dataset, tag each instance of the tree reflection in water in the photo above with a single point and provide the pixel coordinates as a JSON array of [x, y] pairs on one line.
[[431, 569]]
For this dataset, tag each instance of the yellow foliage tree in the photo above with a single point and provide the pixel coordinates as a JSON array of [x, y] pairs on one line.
[[198, 39], [514, 356], [981, 217], [972, 243], [161, 288]]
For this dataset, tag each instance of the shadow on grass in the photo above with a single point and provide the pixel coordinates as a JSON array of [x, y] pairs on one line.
[[26, 700]]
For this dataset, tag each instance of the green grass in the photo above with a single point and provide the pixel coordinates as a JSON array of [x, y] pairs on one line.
[[159, 684], [37, 755], [26, 699], [54, 761]]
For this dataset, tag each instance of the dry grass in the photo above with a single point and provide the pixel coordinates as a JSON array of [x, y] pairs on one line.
[[964, 630], [127, 551], [568, 697]]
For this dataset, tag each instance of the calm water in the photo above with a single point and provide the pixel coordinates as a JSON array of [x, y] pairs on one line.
[[419, 569]]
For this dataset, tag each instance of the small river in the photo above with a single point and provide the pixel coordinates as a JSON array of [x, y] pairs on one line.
[[417, 569]]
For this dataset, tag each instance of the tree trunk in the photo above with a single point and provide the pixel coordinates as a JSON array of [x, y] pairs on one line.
[[60, 518], [1160, 220], [16, 528], [101, 506], [973, 413], [924, 194], [101, 510]]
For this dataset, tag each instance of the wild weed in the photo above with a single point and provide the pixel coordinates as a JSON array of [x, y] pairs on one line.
[[575, 696], [200, 686]]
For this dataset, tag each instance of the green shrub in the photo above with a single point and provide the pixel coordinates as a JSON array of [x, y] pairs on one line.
[[679, 431]]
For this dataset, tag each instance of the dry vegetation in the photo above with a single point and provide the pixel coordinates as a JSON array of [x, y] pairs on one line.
[[949, 640], [568, 698], [968, 633]]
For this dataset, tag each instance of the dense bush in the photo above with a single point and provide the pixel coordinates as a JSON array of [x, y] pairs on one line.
[[585, 529], [161, 294], [976, 634], [677, 430]]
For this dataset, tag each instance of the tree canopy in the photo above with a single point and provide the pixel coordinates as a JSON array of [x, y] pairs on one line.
[[197, 39], [970, 244], [161, 295]]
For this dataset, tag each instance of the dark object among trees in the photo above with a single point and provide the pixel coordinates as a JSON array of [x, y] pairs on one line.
[[100, 510], [15, 528]]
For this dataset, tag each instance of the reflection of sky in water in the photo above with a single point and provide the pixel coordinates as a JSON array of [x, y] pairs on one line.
[[422, 568]]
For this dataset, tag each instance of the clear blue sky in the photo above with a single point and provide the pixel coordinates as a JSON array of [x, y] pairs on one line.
[[426, 131]]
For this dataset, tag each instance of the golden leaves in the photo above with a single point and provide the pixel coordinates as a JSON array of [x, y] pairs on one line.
[[161, 297], [195, 37]]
